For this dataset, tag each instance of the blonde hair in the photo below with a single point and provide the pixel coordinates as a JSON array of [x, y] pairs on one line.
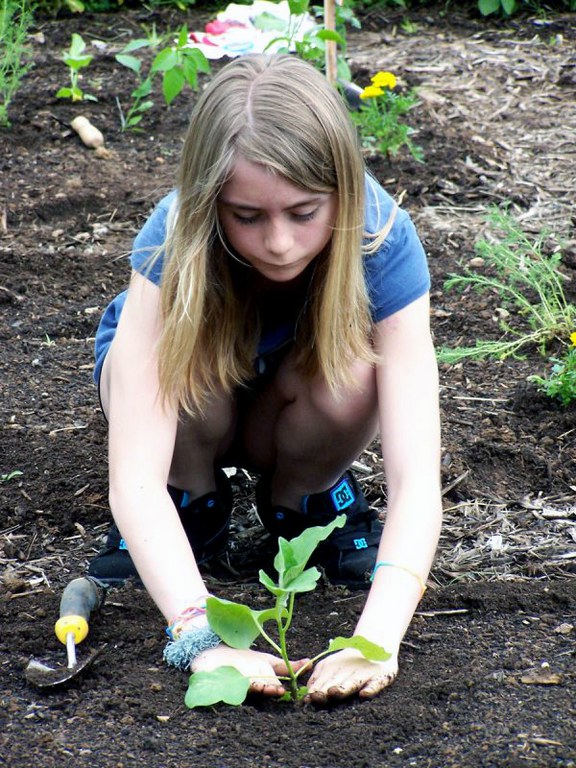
[[277, 111]]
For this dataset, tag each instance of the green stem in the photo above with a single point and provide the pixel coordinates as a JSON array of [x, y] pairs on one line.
[[269, 640], [282, 630]]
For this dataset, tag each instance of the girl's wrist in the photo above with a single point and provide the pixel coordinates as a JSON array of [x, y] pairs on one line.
[[191, 618], [190, 635]]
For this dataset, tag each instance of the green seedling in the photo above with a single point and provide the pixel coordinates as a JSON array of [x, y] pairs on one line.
[[5, 478], [178, 64], [75, 59], [312, 45], [141, 101], [239, 626]]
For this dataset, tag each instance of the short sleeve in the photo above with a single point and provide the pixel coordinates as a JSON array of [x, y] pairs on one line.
[[397, 273], [147, 256]]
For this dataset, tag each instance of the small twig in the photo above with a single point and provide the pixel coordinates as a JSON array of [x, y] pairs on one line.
[[27, 594], [454, 483]]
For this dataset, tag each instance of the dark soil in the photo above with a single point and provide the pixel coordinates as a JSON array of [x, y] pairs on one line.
[[488, 665]]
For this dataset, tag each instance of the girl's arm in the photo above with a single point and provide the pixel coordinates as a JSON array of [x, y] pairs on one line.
[[410, 438], [407, 380], [142, 433]]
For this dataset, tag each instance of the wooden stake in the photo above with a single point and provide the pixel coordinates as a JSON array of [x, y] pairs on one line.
[[331, 48]]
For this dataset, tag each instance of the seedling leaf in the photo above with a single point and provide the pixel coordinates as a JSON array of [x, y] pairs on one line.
[[172, 84], [165, 60], [223, 684], [236, 624], [305, 582], [293, 555], [329, 34], [368, 649], [270, 585], [131, 62]]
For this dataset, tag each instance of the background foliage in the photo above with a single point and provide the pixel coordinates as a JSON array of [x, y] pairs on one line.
[[484, 7]]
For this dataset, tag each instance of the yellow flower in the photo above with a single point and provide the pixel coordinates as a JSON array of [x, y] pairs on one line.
[[384, 80], [573, 338], [371, 91]]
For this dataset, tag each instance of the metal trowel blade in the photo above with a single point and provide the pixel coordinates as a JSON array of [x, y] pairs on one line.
[[42, 676]]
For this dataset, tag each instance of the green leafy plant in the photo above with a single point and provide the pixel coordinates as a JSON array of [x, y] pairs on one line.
[[378, 117], [15, 21], [561, 382], [141, 102], [178, 64], [534, 309], [239, 626], [75, 59]]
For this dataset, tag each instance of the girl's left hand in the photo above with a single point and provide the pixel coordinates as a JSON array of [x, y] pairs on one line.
[[346, 673]]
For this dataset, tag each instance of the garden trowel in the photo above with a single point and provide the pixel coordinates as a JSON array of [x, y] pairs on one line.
[[79, 599]]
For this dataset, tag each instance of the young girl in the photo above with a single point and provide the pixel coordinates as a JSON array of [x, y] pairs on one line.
[[277, 319]]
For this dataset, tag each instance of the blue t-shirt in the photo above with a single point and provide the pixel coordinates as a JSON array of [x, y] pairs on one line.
[[396, 274]]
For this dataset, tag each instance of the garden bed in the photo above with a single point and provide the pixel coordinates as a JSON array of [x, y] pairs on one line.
[[487, 668]]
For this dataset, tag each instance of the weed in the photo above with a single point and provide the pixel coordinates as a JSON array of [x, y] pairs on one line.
[[534, 310], [15, 20], [6, 477], [560, 384]]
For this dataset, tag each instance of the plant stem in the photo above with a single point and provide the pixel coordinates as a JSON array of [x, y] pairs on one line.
[[282, 630]]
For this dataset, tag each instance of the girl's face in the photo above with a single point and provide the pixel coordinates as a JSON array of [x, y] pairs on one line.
[[273, 225]]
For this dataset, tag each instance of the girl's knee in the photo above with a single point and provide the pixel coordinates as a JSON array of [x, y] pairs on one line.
[[346, 406]]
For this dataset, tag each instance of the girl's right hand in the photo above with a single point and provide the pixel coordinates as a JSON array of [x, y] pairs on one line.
[[262, 668]]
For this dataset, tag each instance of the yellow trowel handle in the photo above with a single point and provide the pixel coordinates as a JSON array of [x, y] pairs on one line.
[[78, 601]]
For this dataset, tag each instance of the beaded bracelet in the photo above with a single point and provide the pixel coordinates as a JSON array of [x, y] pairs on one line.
[[385, 563]]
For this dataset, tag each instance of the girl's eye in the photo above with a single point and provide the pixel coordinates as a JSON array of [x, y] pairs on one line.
[[253, 218], [305, 216], [245, 219]]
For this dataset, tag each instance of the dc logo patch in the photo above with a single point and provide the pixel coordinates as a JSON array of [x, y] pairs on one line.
[[361, 543], [342, 496]]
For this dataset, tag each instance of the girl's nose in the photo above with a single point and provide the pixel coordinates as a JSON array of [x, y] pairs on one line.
[[278, 238]]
